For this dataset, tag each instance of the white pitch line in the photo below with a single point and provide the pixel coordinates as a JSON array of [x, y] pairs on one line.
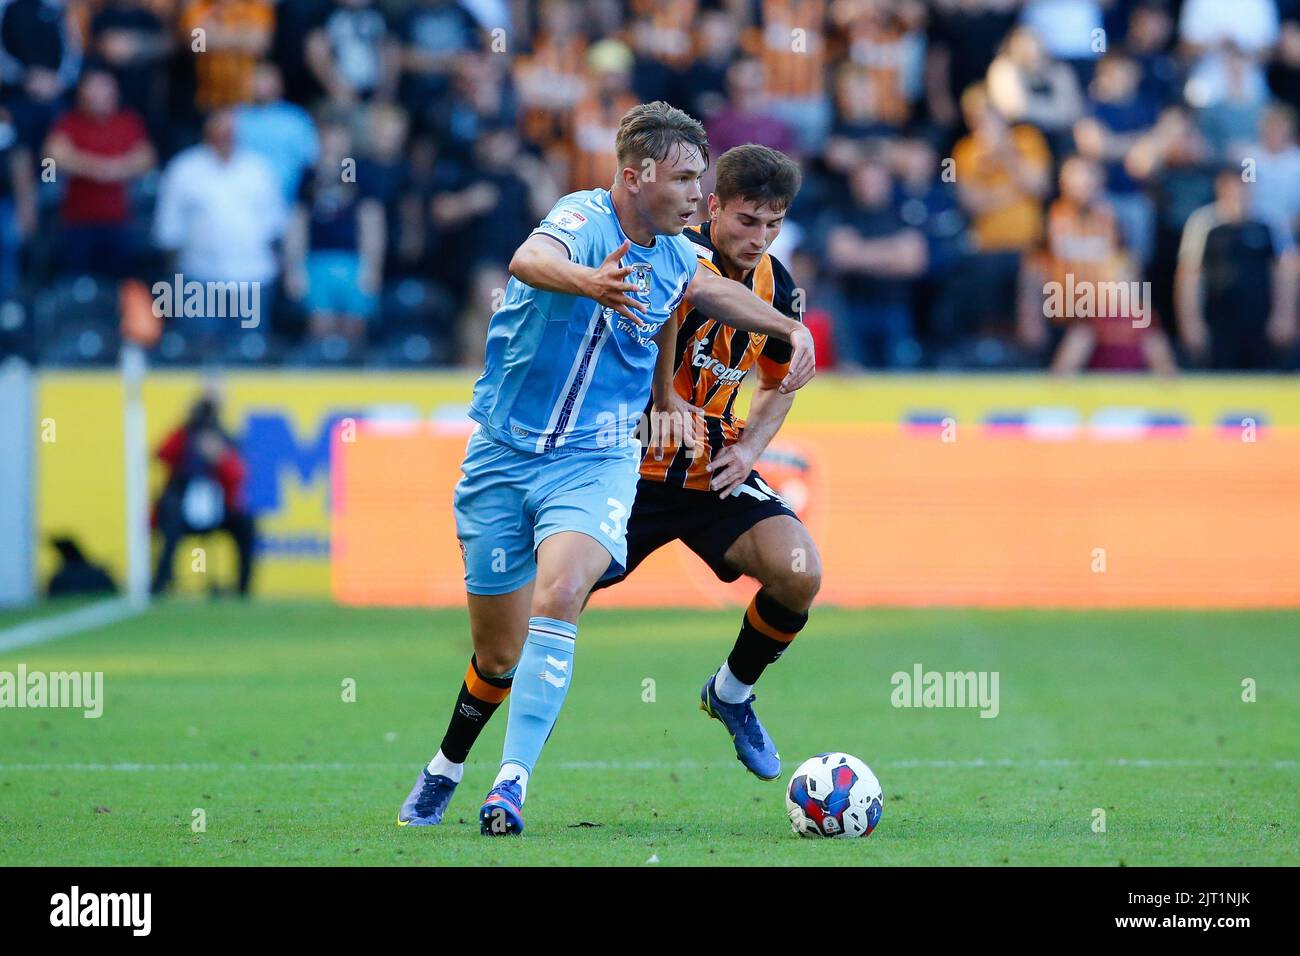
[[202, 767], [54, 626]]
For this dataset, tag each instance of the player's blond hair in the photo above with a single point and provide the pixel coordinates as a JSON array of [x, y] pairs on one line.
[[651, 130]]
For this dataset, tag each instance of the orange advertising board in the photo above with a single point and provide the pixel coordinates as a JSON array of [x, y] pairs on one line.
[[1197, 518]]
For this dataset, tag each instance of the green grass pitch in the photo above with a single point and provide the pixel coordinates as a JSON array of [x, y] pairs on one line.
[[238, 710]]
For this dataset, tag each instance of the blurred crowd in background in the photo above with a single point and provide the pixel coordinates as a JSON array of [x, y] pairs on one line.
[[971, 169]]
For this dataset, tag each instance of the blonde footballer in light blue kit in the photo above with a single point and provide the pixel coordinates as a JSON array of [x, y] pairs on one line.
[[542, 504]]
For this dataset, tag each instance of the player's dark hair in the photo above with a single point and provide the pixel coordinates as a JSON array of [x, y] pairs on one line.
[[651, 130], [758, 174]]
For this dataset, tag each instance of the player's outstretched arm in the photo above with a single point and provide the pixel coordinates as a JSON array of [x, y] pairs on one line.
[[733, 304], [543, 263]]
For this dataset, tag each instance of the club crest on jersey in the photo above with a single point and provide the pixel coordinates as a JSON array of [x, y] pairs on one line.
[[641, 278]]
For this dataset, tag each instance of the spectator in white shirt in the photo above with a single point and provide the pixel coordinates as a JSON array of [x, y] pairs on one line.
[[1276, 161], [1026, 85], [1249, 25], [1069, 29], [1227, 44], [220, 211]]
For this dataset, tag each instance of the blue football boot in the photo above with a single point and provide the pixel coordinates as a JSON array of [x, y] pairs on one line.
[[427, 801], [754, 748], [502, 811]]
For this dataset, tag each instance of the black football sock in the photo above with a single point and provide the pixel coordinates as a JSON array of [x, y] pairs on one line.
[[479, 698], [765, 632]]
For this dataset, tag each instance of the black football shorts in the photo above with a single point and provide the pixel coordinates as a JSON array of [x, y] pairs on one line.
[[705, 523]]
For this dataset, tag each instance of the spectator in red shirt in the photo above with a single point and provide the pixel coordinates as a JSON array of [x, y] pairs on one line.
[[1127, 340], [98, 148], [204, 491], [747, 116]]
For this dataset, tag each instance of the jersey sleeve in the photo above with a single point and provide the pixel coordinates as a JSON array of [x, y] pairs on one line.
[[774, 360], [691, 262], [573, 224]]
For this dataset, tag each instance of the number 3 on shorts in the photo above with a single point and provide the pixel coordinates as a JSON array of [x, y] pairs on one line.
[[617, 511]]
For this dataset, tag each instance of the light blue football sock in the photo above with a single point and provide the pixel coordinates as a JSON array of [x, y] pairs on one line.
[[541, 683]]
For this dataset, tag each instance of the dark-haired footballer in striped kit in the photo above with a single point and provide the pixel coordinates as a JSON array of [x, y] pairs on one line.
[[705, 492], [711, 361]]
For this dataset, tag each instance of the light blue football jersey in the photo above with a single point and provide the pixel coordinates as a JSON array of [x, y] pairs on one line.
[[561, 371]]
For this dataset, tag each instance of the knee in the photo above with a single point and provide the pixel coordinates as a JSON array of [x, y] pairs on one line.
[[561, 598], [805, 585], [796, 586], [494, 662]]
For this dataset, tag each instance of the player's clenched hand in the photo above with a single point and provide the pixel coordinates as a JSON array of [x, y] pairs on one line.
[[608, 285], [730, 469], [675, 422], [803, 361]]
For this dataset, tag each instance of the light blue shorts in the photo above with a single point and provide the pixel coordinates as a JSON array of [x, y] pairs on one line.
[[508, 502], [334, 284]]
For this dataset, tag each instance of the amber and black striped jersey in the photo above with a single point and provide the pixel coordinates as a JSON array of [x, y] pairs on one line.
[[712, 360]]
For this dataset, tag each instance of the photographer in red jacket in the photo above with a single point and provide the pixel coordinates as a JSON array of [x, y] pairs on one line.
[[204, 491]]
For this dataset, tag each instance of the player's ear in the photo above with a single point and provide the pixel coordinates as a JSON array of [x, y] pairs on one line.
[[630, 179]]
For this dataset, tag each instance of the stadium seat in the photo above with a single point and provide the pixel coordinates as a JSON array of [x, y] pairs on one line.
[[409, 349], [74, 297], [332, 351], [76, 322], [252, 347], [175, 348], [82, 342], [17, 332], [985, 353], [416, 305]]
